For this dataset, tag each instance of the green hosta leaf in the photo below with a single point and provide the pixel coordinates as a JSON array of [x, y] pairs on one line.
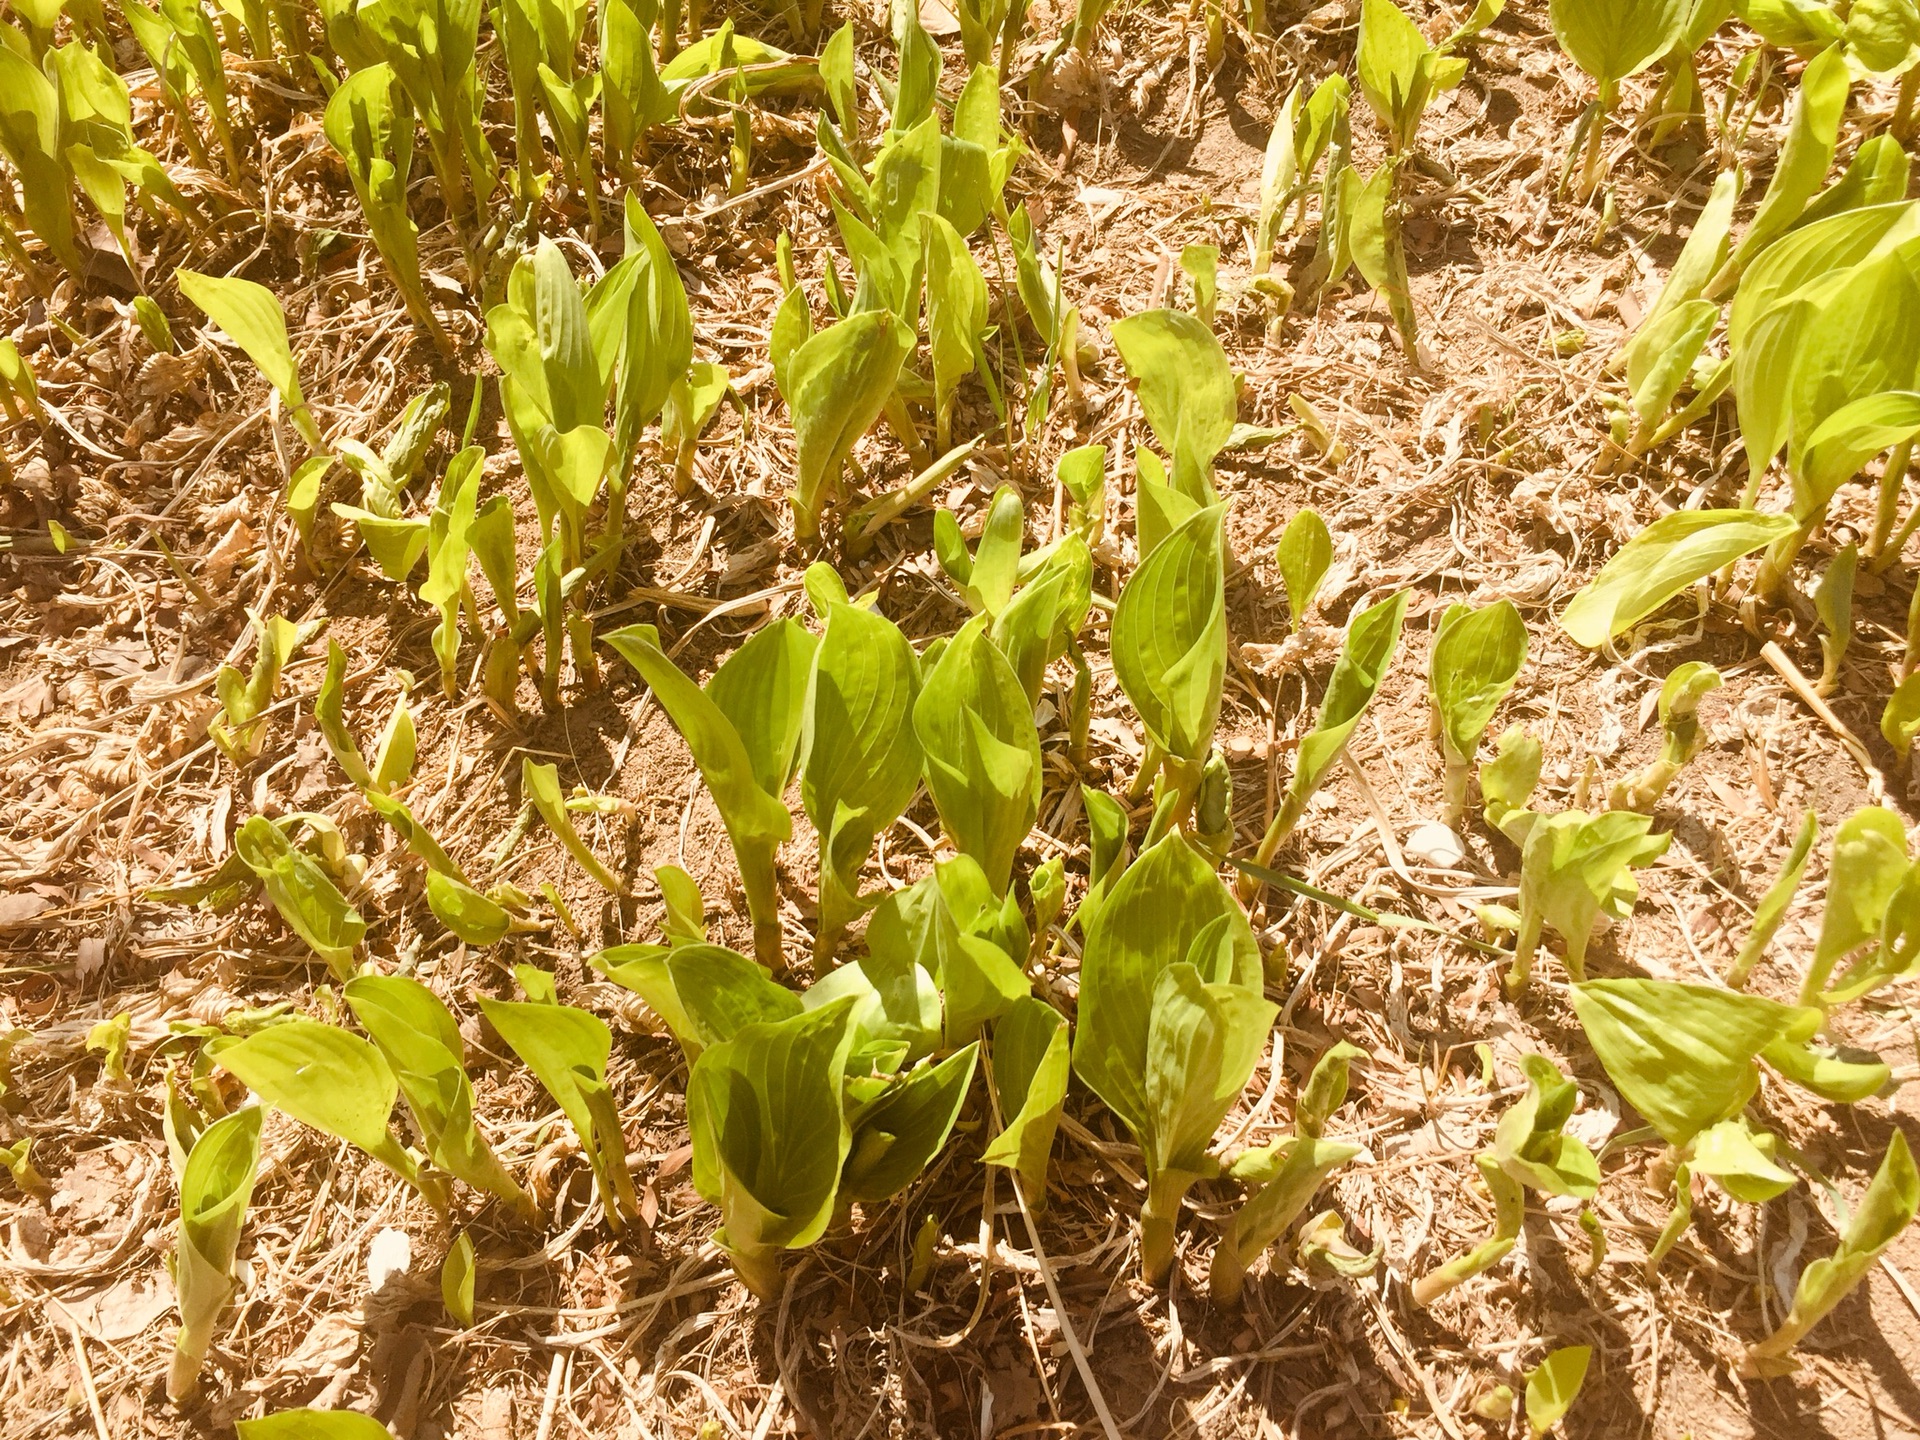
[[939, 926], [30, 139], [1806, 155], [456, 1280], [1884, 1211], [836, 74], [313, 1425], [1030, 1067], [837, 384], [1303, 557], [1043, 620], [1877, 175], [1883, 37], [326, 1078], [475, 918], [1612, 39], [1172, 1018], [215, 1186], [770, 1136], [1372, 636], [1900, 720], [983, 768], [1868, 869], [1662, 560], [1662, 356], [1553, 1385], [861, 759], [897, 1135], [567, 1050], [1741, 1160], [705, 993], [1771, 312], [1700, 258], [300, 890], [421, 1043], [1531, 1144], [956, 315], [252, 317], [1847, 439], [657, 339], [744, 730], [1395, 64], [1187, 392], [1772, 908], [686, 919], [240, 732], [1573, 867], [1682, 1055], [1472, 668], [1170, 636], [541, 785]]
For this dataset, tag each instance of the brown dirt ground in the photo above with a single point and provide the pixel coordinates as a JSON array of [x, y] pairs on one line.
[[1471, 477]]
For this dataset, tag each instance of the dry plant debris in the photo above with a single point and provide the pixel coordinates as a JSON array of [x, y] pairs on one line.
[[997, 721]]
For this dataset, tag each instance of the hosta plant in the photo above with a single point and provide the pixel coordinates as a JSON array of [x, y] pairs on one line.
[[241, 729], [1303, 557], [1169, 643], [252, 317], [1288, 1172], [860, 757], [1575, 867], [1372, 636], [1772, 908], [1681, 737], [1172, 1021], [1884, 1211], [567, 1049], [1474, 663], [1673, 553], [1030, 1061], [421, 1042], [744, 731], [1612, 40], [215, 1185], [1531, 1151], [333, 1081]]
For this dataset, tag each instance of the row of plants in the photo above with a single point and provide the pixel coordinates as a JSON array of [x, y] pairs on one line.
[[803, 1102]]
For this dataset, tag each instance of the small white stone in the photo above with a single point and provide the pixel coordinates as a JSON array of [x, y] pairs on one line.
[[1432, 843], [390, 1254]]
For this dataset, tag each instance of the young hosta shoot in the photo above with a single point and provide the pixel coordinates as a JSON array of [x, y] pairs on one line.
[[1884, 1211], [240, 730], [431, 47], [1772, 908], [1289, 1172], [1372, 636], [982, 752], [1900, 720], [1303, 556], [1108, 854], [449, 543], [30, 139], [1686, 1057], [456, 1280], [1873, 906], [421, 1043], [313, 1425], [303, 893], [1681, 737], [1805, 156], [567, 1050], [686, 919], [1574, 867], [704, 993], [335, 1082], [1612, 40], [944, 958], [860, 758], [1170, 654], [394, 752], [653, 360], [541, 786], [1833, 600], [1400, 72], [837, 383], [371, 129], [1531, 1151], [899, 1125], [1030, 1066], [253, 319], [770, 1135], [1475, 661], [1172, 1021], [744, 731], [1552, 1387], [956, 318], [1672, 553], [1189, 395], [215, 1186]]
